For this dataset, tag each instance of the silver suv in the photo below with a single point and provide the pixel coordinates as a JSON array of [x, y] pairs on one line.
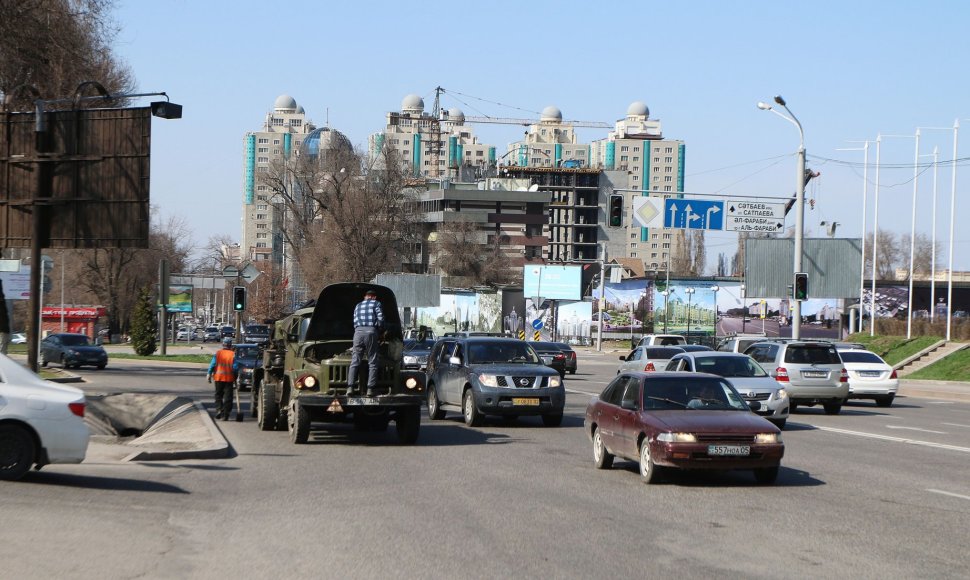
[[812, 372]]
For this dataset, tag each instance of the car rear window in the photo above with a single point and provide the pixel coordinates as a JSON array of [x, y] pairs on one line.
[[811, 354], [663, 353], [860, 356], [729, 366]]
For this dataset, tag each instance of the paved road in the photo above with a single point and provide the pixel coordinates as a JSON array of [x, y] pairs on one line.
[[869, 493]]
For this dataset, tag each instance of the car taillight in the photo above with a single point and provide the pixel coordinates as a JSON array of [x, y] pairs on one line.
[[894, 375], [76, 408], [781, 375], [844, 376], [649, 367], [559, 356]]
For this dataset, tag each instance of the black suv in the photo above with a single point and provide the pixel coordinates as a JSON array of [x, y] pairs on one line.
[[492, 376]]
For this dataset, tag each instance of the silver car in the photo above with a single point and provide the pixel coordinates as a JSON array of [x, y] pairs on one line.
[[648, 358], [812, 372], [763, 394], [870, 377]]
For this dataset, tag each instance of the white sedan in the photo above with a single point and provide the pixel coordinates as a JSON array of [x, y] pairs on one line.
[[870, 377], [40, 422]]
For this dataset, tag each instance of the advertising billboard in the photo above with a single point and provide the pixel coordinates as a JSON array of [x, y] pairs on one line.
[[180, 298], [552, 282]]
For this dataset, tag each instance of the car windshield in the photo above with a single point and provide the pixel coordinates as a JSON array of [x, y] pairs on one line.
[[212, 329], [247, 353], [729, 366], [661, 353], [74, 340], [691, 394], [812, 354], [504, 352], [860, 356], [411, 344], [257, 329]]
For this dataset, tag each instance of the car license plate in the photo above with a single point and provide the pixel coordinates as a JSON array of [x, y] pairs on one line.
[[729, 450], [869, 374], [528, 401], [546, 360], [815, 374]]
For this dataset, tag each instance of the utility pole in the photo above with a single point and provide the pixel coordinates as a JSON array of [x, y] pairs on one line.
[[599, 326]]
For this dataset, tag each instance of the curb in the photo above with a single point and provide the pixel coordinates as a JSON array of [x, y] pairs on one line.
[[218, 450]]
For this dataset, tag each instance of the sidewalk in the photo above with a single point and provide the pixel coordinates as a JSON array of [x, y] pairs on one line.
[[948, 390]]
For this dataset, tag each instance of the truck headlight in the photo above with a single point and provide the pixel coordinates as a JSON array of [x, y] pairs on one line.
[[555, 381]]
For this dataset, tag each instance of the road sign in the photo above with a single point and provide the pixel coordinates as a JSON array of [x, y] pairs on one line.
[[521, 335], [754, 216], [536, 336], [694, 214], [230, 272], [648, 212], [250, 273], [537, 324]]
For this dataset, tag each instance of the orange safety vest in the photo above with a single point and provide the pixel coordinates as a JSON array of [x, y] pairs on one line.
[[223, 372]]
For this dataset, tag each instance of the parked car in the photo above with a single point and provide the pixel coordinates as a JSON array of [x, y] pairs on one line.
[[551, 355], [675, 420], [648, 358], [766, 396], [18, 338], [250, 357], [870, 377], [492, 376], [255, 334], [40, 422], [212, 333], [812, 372], [571, 362], [416, 353], [695, 348], [662, 340], [72, 350]]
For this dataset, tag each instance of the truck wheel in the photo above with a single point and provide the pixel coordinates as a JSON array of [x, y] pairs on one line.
[[472, 417], [16, 452], [435, 412], [298, 421], [268, 409], [408, 424], [254, 398]]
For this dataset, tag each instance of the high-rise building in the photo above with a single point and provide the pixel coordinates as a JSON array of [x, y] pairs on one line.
[[284, 130]]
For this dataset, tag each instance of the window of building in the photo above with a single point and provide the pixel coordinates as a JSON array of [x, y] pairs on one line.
[[636, 149], [667, 236], [668, 169], [668, 178], [277, 122], [263, 140], [263, 150], [653, 254], [656, 160], [624, 158], [276, 141], [633, 254], [479, 153], [669, 150], [262, 236], [656, 178], [262, 160], [654, 245], [261, 197], [260, 226], [295, 122], [668, 159], [260, 244], [656, 169], [261, 188], [634, 234], [624, 148], [666, 246], [635, 159], [407, 141], [262, 169], [636, 177], [667, 188], [260, 216], [261, 206], [633, 244]]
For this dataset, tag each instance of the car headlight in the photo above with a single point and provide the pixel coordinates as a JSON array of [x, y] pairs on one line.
[[767, 438], [555, 381], [781, 394], [677, 437], [488, 380], [410, 360], [247, 371]]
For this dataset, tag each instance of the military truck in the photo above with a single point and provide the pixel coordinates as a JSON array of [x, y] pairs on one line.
[[305, 368]]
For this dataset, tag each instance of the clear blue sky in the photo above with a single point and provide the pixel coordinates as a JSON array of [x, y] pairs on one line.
[[849, 71]]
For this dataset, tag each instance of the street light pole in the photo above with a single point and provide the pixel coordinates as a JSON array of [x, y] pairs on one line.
[[912, 241], [799, 206], [953, 198], [689, 292], [715, 288], [865, 192]]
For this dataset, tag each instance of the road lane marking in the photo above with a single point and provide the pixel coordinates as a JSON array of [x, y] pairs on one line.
[[966, 497], [915, 429], [957, 425], [895, 439], [939, 402]]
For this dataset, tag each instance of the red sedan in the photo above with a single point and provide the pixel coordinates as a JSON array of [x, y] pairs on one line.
[[680, 420]]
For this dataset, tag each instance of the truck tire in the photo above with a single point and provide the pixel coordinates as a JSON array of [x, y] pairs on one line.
[[269, 411], [298, 423], [254, 398], [408, 422]]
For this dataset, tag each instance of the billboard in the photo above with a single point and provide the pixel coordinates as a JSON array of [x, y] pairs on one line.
[[552, 282], [180, 298]]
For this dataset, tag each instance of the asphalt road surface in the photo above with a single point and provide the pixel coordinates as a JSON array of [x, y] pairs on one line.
[[870, 493]]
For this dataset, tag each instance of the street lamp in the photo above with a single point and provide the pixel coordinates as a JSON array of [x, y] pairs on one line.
[[666, 294], [865, 193], [689, 292], [799, 205]]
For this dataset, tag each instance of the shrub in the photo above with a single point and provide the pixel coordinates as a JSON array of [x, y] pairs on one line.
[[144, 325]]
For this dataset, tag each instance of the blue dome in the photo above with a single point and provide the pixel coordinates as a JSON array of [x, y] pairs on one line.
[[325, 139]]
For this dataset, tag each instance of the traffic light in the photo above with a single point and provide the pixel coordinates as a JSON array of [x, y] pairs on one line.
[[616, 210], [238, 298], [801, 286]]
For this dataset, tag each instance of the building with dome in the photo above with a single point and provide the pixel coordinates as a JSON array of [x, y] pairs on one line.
[[284, 130], [442, 148]]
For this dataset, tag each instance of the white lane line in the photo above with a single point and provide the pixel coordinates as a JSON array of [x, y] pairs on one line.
[[966, 497], [895, 439], [957, 425], [915, 429], [939, 402], [575, 392]]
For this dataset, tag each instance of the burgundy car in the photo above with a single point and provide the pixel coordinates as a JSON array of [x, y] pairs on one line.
[[677, 420]]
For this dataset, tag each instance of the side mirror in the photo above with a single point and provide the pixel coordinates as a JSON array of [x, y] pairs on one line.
[[622, 357], [629, 405]]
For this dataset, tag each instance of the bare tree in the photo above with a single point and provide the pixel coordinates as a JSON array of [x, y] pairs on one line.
[[54, 45]]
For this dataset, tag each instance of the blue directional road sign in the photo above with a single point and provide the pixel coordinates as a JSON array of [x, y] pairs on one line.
[[694, 214], [537, 324]]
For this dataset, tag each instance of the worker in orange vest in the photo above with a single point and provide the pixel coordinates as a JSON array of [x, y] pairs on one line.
[[223, 370]]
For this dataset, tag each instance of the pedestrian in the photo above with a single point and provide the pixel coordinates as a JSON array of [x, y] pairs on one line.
[[223, 370], [368, 321]]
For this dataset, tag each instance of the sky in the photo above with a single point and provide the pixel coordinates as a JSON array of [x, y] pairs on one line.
[[849, 71]]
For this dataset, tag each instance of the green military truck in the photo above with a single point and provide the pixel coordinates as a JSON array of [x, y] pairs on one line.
[[305, 367]]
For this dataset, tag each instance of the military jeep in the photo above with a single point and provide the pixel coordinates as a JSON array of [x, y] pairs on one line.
[[305, 368]]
